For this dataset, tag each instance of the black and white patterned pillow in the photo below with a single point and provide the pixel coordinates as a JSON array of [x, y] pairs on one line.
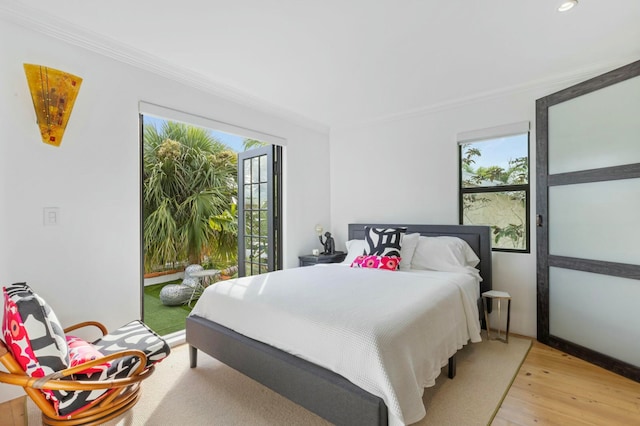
[[383, 241]]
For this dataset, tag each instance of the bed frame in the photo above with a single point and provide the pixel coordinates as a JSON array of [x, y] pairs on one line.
[[321, 391]]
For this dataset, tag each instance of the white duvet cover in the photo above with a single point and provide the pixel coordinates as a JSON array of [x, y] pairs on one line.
[[388, 332]]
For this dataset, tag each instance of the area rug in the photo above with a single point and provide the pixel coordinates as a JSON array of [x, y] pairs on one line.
[[214, 394]]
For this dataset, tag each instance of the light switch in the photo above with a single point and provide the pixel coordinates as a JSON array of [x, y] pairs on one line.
[[51, 216]]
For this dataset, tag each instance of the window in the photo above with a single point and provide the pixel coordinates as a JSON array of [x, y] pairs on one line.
[[494, 184]]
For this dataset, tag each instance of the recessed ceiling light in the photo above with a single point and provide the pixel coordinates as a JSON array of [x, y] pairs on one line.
[[567, 5]]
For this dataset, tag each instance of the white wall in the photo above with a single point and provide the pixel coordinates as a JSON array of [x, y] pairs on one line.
[[405, 170], [88, 267]]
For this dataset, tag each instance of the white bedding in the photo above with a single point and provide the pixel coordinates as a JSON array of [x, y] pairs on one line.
[[388, 332]]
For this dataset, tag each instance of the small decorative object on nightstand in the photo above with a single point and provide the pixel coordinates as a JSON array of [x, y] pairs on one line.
[[499, 296], [310, 259]]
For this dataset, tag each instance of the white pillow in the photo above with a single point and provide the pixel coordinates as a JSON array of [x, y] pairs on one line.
[[355, 248], [443, 254], [408, 248], [470, 256]]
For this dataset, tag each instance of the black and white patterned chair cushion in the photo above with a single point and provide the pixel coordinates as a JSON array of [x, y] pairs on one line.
[[134, 335], [33, 332]]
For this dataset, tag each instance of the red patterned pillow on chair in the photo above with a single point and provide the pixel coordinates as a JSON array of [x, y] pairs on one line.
[[390, 263], [81, 352]]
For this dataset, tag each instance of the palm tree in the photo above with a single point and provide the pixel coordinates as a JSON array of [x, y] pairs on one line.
[[249, 144], [189, 188]]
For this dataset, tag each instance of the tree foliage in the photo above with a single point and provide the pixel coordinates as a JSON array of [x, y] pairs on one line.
[[516, 173], [189, 192], [249, 144]]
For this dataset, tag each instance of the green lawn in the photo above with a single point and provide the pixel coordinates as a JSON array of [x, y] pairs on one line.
[[163, 319]]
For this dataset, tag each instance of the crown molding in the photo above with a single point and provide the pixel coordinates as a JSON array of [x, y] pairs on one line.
[[66, 31], [546, 85], [71, 33]]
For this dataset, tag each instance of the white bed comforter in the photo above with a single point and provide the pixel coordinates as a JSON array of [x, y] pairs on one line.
[[388, 332]]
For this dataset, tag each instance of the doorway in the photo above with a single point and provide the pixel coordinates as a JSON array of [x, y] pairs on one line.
[[190, 214]]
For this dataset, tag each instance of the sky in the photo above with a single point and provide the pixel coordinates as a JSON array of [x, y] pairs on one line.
[[498, 152], [495, 152], [232, 141]]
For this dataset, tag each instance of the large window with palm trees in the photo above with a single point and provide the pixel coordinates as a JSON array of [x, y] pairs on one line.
[[191, 214]]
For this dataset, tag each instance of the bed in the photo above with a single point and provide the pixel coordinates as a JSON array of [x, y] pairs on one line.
[[315, 383]]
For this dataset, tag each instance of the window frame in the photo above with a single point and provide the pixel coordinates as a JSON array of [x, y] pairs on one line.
[[486, 136]]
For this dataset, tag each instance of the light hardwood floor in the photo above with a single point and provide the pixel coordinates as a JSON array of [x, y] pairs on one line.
[[12, 413], [551, 388]]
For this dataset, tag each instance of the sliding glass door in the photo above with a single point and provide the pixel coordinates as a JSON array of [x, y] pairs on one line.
[[588, 201]]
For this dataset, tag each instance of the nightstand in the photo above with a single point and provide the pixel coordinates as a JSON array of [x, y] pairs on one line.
[[310, 259], [499, 296]]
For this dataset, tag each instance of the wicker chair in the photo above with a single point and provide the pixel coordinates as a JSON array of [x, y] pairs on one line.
[[90, 392]]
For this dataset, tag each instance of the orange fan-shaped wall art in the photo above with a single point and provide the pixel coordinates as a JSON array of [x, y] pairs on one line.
[[54, 93]]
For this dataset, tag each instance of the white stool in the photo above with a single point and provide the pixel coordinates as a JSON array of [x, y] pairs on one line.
[[499, 296]]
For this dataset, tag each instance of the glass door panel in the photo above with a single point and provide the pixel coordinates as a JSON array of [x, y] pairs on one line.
[[596, 311], [596, 220], [599, 129], [258, 223]]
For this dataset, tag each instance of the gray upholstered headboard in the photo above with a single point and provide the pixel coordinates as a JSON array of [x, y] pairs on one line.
[[478, 237]]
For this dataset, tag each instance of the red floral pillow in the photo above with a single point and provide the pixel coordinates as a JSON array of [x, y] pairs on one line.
[[81, 352], [390, 263]]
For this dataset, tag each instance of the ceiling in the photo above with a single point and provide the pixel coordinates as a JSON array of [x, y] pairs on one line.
[[343, 62]]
